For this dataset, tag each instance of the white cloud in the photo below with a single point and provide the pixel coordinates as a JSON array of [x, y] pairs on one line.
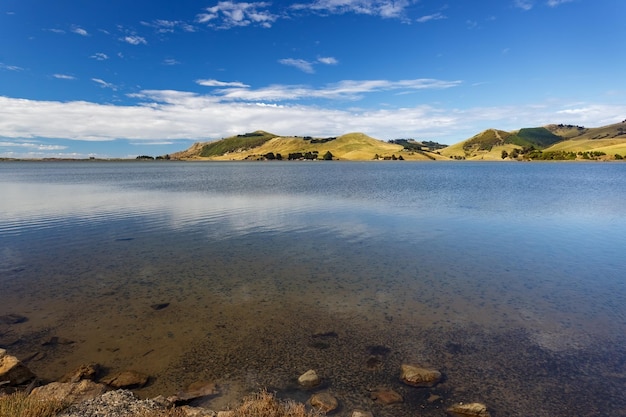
[[33, 146], [329, 60], [428, 18], [134, 40], [555, 3], [64, 77], [100, 56], [524, 4], [227, 14], [104, 84], [80, 31], [169, 26], [382, 8], [216, 83], [170, 61], [301, 64], [10, 67]]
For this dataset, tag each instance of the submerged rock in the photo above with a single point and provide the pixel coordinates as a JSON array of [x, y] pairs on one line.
[[359, 413], [468, 410], [324, 402], [89, 372], [386, 396], [127, 379], [417, 376], [195, 390], [13, 319], [12, 370], [159, 306], [309, 379]]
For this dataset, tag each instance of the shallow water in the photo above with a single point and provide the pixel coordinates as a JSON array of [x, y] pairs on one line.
[[508, 277]]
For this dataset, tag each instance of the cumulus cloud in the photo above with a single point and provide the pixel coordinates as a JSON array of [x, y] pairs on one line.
[[227, 14], [134, 40], [170, 115]]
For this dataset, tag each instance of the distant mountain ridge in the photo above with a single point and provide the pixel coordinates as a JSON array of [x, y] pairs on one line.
[[554, 141]]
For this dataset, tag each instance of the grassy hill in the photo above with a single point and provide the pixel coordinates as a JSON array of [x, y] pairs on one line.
[[261, 145], [547, 142]]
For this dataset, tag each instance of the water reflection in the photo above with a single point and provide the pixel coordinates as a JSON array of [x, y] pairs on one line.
[[453, 266]]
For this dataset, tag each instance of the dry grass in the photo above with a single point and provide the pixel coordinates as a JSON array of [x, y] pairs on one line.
[[265, 404], [21, 405], [170, 412]]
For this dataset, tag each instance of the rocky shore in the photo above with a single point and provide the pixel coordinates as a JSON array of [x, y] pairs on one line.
[[90, 394]]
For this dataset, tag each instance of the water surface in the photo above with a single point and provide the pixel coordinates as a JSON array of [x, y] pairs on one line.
[[508, 277]]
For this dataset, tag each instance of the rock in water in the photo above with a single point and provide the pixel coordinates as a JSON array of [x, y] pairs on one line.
[[386, 396], [89, 371], [468, 410], [127, 379], [196, 390], [309, 379], [324, 402], [359, 413], [12, 370], [416, 376]]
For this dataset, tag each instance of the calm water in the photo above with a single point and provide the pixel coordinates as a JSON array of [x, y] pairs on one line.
[[508, 277]]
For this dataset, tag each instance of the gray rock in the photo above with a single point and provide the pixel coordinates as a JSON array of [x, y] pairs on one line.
[[309, 379], [120, 403]]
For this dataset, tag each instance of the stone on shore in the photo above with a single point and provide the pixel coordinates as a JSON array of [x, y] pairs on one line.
[[12, 370], [359, 413], [324, 402], [386, 396], [417, 376], [309, 379], [70, 392], [468, 410], [127, 379]]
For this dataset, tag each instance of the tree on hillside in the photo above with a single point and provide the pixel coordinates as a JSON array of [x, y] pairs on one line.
[[505, 154], [328, 156]]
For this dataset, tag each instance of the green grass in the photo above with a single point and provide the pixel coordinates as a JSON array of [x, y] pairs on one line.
[[236, 143]]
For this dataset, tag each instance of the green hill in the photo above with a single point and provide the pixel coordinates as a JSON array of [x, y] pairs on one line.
[[547, 142]]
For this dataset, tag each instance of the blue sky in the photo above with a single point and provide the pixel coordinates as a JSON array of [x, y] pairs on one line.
[[149, 77]]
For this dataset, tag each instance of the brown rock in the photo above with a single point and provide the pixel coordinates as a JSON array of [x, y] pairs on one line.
[[13, 319], [127, 379], [416, 376], [12, 370], [197, 390], [309, 379], [324, 402], [359, 413], [468, 410], [89, 371], [71, 392], [386, 396]]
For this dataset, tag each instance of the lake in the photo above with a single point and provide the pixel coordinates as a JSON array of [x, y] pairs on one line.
[[509, 278]]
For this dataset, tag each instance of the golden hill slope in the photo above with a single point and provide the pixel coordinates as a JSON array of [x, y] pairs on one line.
[[350, 147]]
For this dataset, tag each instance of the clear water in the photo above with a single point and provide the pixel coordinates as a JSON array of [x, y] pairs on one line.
[[507, 277]]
